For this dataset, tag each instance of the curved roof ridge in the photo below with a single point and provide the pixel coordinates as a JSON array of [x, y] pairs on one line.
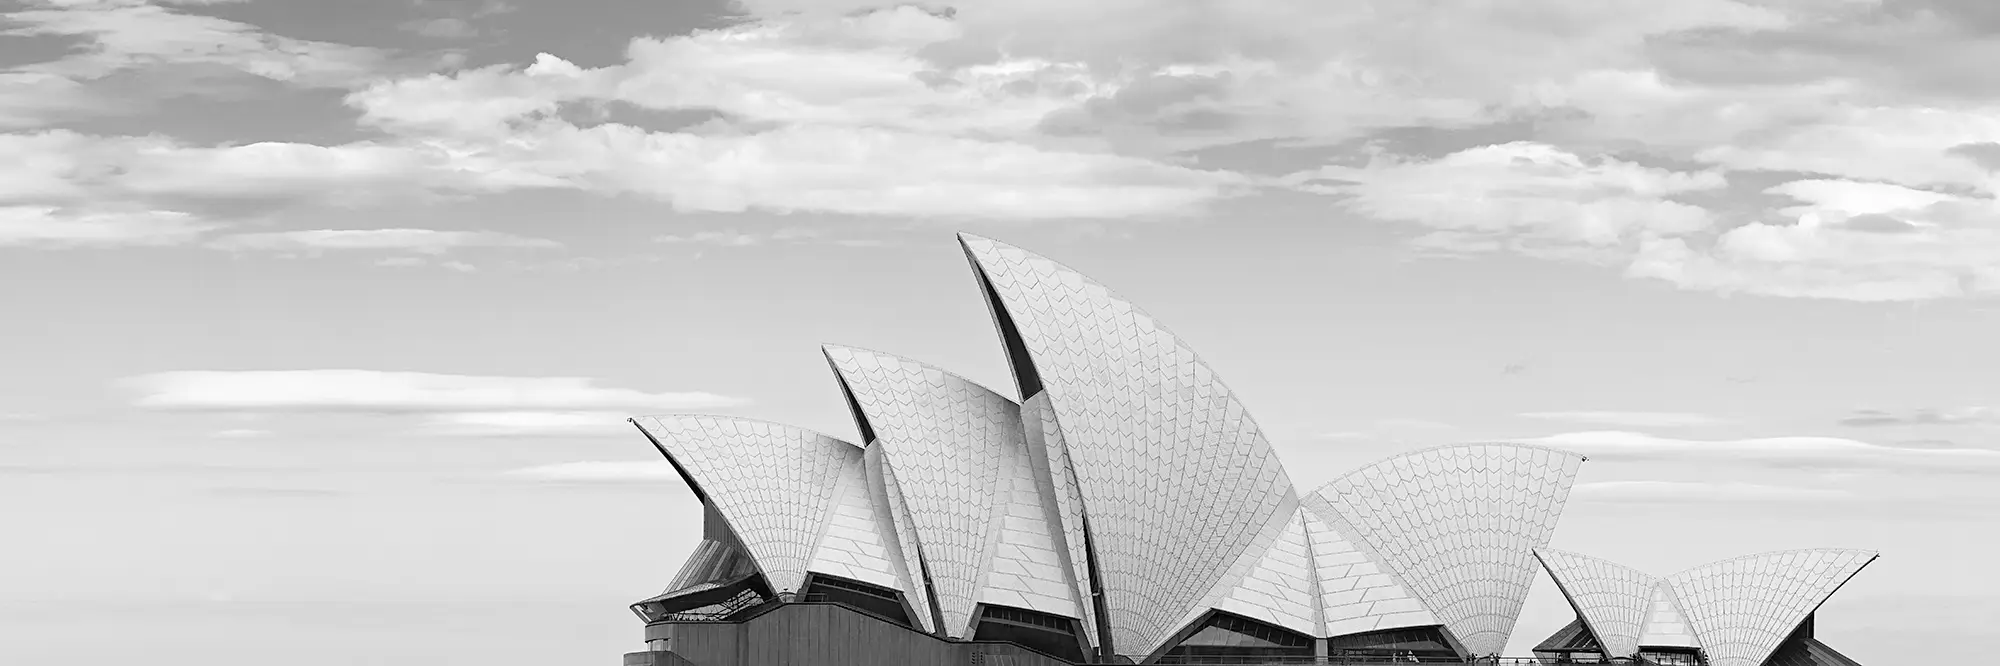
[[1769, 553], [1611, 599], [1572, 553], [1440, 447], [1398, 504], [1108, 291], [827, 346], [740, 419], [1742, 624], [1135, 399]]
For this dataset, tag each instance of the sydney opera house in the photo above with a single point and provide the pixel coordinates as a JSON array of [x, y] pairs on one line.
[[1123, 507]]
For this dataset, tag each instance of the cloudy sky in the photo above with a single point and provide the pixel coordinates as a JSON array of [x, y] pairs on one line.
[[322, 316]]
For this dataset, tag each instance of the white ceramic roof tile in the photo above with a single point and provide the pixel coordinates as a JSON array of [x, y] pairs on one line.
[[1613, 600], [1280, 587], [1355, 594], [1023, 545], [854, 545], [774, 484], [904, 549], [1458, 526], [1741, 609], [1175, 477], [945, 437], [1666, 625], [1055, 481]]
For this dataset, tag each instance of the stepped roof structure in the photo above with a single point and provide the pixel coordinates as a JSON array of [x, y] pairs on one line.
[[1121, 505], [1742, 611]]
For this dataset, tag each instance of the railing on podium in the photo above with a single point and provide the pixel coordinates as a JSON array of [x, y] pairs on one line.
[[1360, 660]]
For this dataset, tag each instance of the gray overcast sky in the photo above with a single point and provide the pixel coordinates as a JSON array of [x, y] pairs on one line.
[[322, 317]]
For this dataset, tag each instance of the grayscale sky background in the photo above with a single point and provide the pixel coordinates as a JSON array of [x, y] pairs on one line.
[[321, 318]]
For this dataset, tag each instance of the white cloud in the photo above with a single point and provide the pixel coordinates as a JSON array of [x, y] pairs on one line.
[[368, 390], [122, 36], [1818, 453], [1524, 193], [1901, 145], [125, 35], [1923, 417], [483, 101], [421, 241], [1679, 492], [20, 417], [1289, 68], [856, 70], [50, 226], [838, 115], [65, 186], [241, 433], [855, 170], [600, 471], [1851, 240], [527, 424], [1629, 419], [747, 239], [31, 99]]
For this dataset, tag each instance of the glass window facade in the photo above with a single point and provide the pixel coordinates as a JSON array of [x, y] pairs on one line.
[[1054, 635], [874, 599], [1420, 642], [1227, 638]]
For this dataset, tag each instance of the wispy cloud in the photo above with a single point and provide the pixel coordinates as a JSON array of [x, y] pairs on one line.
[[128, 34], [782, 236], [459, 20], [1865, 418], [418, 262], [1678, 492], [600, 471], [1821, 453], [528, 424], [380, 391], [241, 433], [1529, 197], [119, 36], [420, 241], [1629, 419], [53, 226]]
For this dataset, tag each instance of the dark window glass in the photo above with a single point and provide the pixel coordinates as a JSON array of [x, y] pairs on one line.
[[1227, 638], [1420, 642], [873, 599], [1051, 634]]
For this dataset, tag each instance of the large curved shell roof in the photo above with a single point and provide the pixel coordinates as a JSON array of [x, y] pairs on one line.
[[1055, 478], [795, 499], [961, 460], [1458, 526], [775, 485], [1612, 599], [1176, 479], [1743, 608], [1357, 593], [902, 534], [857, 541], [1281, 584], [1666, 624]]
